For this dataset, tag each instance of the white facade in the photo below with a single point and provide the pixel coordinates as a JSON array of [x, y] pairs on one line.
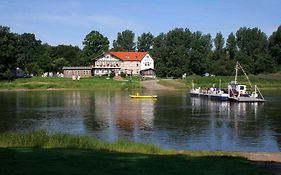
[[107, 64], [110, 63], [147, 62]]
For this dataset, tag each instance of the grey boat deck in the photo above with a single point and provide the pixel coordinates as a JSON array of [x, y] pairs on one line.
[[246, 99]]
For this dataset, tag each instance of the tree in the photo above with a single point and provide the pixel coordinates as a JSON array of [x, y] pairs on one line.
[[159, 53], [253, 52], [219, 52], [219, 42], [145, 42], [8, 52], [125, 41], [200, 53], [29, 50], [231, 46], [275, 45], [69, 53], [95, 44]]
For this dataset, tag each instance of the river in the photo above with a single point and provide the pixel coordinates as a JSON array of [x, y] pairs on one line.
[[175, 120]]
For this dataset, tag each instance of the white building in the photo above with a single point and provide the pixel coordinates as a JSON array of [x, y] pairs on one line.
[[132, 63]]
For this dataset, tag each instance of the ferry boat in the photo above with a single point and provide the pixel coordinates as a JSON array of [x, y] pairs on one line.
[[213, 93], [238, 92], [235, 91]]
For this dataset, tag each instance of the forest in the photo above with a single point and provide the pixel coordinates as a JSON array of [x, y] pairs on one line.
[[176, 52]]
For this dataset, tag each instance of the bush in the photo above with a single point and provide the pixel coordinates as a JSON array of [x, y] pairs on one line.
[[112, 74], [123, 75]]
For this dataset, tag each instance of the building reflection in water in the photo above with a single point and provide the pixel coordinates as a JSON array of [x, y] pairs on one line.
[[116, 116]]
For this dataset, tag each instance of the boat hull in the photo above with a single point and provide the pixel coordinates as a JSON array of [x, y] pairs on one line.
[[143, 96]]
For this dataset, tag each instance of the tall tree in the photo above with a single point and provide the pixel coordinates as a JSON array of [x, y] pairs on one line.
[[159, 53], [253, 52], [220, 61], [125, 41], [95, 44], [8, 52], [275, 45], [68, 52], [219, 42], [145, 42], [219, 52], [231, 46], [201, 49], [29, 50]]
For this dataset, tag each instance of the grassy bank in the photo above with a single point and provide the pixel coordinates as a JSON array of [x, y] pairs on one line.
[[67, 83], [263, 81], [41, 153]]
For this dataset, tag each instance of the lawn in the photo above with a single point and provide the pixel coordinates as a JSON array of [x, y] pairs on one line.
[[95, 83], [42, 153]]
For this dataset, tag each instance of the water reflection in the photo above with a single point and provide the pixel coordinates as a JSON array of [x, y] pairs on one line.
[[174, 120], [224, 108], [115, 117]]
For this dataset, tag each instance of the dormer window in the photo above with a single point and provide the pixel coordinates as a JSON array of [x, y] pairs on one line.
[[127, 57]]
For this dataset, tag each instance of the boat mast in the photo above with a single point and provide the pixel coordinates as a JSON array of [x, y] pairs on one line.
[[236, 72], [238, 65]]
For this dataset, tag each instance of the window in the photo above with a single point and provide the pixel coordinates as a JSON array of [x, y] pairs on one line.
[[137, 64]]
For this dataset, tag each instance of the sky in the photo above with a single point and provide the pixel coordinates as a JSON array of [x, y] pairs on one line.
[[69, 21]]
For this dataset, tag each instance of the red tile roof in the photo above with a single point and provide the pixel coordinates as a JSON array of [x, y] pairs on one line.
[[129, 56]]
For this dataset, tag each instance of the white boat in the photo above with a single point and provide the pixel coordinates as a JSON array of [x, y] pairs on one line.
[[235, 91], [213, 92], [238, 92]]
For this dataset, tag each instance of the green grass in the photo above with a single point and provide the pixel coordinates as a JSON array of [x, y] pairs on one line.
[[42, 153], [263, 81], [96, 83]]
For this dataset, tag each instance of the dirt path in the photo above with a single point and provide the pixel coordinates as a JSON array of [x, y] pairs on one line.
[[269, 161], [153, 85]]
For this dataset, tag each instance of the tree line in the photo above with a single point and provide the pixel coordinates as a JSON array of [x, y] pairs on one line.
[[176, 52]]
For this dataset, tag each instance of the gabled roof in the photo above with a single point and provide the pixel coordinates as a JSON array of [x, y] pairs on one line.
[[129, 56]]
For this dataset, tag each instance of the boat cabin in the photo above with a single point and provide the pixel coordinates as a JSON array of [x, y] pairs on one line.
[[237, 90]]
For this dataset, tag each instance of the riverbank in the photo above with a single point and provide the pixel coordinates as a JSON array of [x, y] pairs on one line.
[[55, 83], [40, 152], [263, 81]]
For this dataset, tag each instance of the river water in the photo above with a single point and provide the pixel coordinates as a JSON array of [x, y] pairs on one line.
[[175, 120]]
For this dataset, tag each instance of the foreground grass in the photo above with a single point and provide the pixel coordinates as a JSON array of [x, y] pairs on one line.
[[41, 153], [263, 81], [67, 83]]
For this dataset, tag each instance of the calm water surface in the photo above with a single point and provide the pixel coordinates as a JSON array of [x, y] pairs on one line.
[[174, 120]]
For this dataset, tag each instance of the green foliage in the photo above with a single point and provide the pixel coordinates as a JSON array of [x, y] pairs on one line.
[[176, 52], [8, 52], [95, 44], [231, 46], [275, 45], [70, 54], [112, 74], [145, 42], [252, 45], [125, 41], [123, 75]]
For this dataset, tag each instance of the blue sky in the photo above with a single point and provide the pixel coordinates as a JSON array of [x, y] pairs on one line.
[[69, 21]]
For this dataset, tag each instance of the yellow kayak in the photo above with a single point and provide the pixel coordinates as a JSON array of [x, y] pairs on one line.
[[143, 96]]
